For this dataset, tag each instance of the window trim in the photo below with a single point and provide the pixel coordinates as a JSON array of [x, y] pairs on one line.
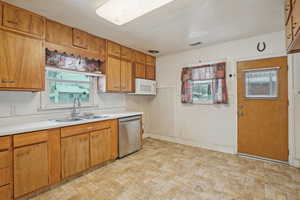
[[46, 104]]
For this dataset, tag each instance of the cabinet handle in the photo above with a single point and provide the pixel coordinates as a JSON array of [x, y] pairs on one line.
[[7, 81], [12, 22]]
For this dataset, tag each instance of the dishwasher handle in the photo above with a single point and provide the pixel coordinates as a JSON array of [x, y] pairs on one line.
[[128, 119]]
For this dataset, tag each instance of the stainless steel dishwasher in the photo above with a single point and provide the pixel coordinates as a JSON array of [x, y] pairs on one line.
[[129, 135]]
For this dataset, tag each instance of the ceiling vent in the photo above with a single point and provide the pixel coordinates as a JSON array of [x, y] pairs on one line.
[[153, 51], [195, 44]]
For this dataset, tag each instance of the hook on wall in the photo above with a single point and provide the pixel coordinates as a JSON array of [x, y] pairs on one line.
[[261, 48]]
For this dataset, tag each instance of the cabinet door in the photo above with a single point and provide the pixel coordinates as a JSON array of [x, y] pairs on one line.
[[113, 74], [30, 168], [126, 53], [16, 18], [5, 192], [93, 43], [37, 25], [80, 38], [58, 33], [113, 49], [100, 146], [21, 62], [140, 70], [140, 57], [150, 72], [150, 60], [126, 76], [102, 46], [75, 154]]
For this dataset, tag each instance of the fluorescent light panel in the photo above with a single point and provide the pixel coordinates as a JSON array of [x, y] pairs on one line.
[[123, 11]]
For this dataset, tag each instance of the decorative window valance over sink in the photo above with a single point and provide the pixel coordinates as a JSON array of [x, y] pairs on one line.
[[204, 84]]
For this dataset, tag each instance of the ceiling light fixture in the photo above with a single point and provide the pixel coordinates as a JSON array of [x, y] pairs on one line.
[[123, 11]]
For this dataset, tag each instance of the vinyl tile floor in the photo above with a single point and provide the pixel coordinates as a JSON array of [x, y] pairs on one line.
[[169, 171]]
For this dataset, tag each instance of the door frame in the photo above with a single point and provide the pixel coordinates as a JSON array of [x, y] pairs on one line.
[[291, 131]]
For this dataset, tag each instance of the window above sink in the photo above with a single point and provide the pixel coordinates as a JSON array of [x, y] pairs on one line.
[[63, 86]]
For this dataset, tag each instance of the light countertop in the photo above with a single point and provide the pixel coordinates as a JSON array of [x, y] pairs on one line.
[[50, 124]]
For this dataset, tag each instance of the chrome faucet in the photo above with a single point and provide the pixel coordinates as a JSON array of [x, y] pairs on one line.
[[76, 109]]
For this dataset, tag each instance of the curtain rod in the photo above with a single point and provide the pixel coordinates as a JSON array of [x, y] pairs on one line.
[[208, 62]]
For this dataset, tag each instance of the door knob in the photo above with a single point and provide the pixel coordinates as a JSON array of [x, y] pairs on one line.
[[240, 113]]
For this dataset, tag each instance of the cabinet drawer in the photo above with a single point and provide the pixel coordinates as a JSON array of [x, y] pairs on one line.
[[84, 128], [5, 176], [5, 142], [5, 193], [5, 158], [30, 138]]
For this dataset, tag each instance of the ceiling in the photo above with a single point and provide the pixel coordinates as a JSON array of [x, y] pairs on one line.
[[172, 27]]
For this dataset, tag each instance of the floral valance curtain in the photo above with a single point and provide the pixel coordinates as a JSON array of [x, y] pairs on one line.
[[204, 84]]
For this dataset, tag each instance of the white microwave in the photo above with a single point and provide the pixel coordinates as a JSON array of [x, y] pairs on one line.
[[145, 87]]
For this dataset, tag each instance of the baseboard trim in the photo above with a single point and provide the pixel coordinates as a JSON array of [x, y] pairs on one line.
[[224, 149]]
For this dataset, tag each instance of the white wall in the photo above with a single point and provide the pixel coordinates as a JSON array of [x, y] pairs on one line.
[[209, 126]]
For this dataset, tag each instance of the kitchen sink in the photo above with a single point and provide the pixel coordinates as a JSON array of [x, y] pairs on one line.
[[94, 117], [68, 120], [81, 118]]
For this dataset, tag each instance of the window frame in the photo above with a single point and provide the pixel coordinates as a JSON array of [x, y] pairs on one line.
[[45, 102]]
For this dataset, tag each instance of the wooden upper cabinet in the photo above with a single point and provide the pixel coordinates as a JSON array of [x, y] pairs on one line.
[[80, 38], [126, 76], [22, 20], [140, 70], [1, 13], [113, 74], [102, 46], [150, 60], [93, 43], [21, 62], [58, 33], [126, 53], [30, 168], [140, 57], [75, 154], [113, 49], [150, 72]]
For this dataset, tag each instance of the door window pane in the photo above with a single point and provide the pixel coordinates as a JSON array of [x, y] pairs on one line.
[[261, 83]]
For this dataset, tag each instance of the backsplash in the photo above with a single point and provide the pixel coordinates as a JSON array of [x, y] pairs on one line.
[[25, 107]]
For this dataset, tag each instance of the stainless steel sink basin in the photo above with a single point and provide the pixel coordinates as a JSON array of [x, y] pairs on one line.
[[94, 117], [68, 120]]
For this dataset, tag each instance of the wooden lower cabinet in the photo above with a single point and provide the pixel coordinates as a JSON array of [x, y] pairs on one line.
[[43, 158], [30, 168], [5, 192], [100, 148], [75, 154]]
